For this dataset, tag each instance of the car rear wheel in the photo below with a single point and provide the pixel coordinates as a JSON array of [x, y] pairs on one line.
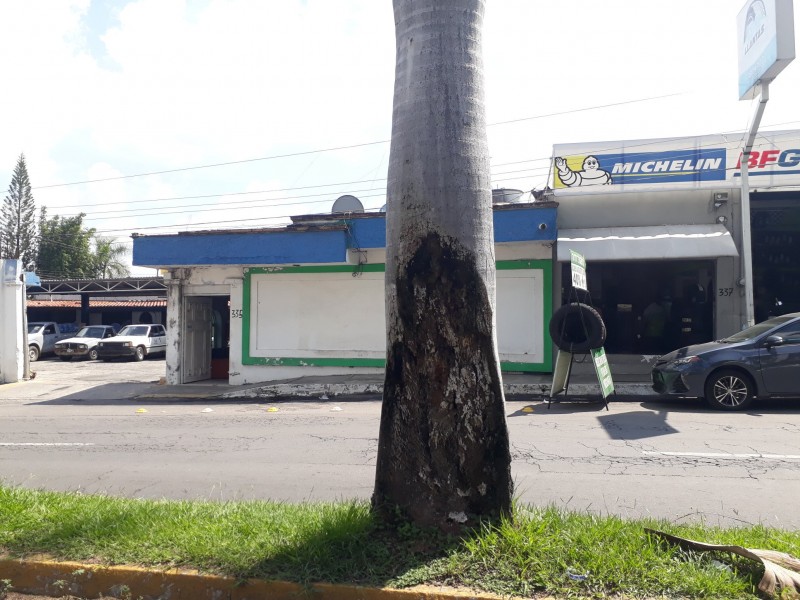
[[139, 354], [33, 353], [729, 389], [93, 354]]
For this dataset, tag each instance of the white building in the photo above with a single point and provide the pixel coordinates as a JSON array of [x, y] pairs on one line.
[[308, 299], [660, 220]]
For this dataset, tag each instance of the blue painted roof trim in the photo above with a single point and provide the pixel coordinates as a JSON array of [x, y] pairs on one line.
[[243, 248], [510, 225], [316, 243], [520, 225]]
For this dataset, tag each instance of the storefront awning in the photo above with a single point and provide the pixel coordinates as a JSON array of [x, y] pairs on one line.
[[647, 243]]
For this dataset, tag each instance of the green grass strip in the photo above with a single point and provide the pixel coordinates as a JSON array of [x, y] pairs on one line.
[[341, 543]]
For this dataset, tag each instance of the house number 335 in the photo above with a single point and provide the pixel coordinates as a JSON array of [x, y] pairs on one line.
[[236, 313]]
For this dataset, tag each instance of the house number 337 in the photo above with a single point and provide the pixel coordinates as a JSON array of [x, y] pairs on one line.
[[236, 313]]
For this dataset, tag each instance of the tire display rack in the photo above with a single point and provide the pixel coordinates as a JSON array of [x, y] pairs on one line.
[[575, 328]]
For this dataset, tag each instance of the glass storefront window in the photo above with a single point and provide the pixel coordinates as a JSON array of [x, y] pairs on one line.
[[650, 307]]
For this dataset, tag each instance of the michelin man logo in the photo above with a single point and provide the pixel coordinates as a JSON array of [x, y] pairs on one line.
[[590, 174]]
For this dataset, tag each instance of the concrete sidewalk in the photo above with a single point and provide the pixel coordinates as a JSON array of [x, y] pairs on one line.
[[139, 383], [631, 374]]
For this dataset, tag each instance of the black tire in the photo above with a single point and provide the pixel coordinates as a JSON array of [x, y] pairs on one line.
[[577, 328], [139, 355], [65, 358], [93, 354], [33, 353], [729, 389]]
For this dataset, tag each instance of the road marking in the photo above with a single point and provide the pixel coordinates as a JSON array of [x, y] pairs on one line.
[[725, 455], [46, 444]]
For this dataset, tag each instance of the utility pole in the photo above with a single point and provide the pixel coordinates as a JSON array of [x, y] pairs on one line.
[[747, 252]]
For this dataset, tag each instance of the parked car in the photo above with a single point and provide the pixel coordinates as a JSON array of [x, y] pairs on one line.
[[134, 341], [762, 361], [43, 335], [84, 344]]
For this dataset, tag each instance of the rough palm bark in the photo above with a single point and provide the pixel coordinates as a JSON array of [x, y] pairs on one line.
[[443, 451]]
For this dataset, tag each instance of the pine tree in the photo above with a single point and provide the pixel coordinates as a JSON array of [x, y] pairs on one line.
[[17, 221]]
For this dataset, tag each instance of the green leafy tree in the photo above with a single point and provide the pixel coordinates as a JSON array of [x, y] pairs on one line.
[[443, 451], [18, 218], [65, 248], [109, 257]]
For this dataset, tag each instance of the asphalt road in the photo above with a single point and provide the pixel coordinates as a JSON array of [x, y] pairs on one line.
[[673, 459]]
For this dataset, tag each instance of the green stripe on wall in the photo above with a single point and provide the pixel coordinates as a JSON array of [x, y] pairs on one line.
[[368, 268]]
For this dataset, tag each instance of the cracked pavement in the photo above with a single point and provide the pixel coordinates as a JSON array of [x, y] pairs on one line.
[[642, 458]]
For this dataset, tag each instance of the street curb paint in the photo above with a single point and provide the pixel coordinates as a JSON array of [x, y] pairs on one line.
[[90, 580]]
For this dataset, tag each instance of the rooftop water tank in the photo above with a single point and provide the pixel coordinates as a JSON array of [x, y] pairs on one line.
[[506, 195]]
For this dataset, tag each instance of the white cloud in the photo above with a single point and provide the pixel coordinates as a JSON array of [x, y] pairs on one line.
[[158, 85]]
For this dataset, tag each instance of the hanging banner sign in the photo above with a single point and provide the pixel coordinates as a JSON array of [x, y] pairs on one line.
[[578, 270], [603, 372]]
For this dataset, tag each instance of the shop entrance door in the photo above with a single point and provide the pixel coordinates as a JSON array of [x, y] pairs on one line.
[[197, 331], [651, 307]]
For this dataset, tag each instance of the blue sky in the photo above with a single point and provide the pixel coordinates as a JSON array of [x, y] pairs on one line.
[[114, 89]]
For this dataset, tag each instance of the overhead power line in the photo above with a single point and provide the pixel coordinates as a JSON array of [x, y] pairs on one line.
[[308, 199], [337, 148], [210, 166]]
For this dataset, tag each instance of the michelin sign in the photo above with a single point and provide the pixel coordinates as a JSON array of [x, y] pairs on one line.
[[696, 162]]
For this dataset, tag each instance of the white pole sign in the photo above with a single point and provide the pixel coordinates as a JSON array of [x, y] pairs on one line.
[[765, 30]]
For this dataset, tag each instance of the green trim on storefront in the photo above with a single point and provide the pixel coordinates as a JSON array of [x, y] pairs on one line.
[[246, 288], [367, 268], [378, 363], [546, 366]]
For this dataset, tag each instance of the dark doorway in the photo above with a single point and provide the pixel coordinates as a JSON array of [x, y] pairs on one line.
[[650, 307], [220, 336], [775, 234]]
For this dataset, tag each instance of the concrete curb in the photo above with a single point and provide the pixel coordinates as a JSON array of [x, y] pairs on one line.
[[316, 390], [306, 390], [327, 391], [90, 581]]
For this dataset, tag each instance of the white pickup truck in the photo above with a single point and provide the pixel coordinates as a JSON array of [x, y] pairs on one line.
[[43, 335], [134, 341]]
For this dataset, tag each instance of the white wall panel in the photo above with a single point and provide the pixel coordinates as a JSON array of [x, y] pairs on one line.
[[318, 315], [520, 329]]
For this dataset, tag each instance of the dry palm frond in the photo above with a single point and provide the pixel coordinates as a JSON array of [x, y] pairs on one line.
[[781, 570]]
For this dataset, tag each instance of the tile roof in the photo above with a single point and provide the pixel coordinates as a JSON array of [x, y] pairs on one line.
[[93, 303]]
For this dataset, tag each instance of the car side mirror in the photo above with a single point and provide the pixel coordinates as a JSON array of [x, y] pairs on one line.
[[773, 340]]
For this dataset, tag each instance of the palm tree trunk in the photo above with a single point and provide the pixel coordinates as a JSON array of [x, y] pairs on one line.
[[443, 451]]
